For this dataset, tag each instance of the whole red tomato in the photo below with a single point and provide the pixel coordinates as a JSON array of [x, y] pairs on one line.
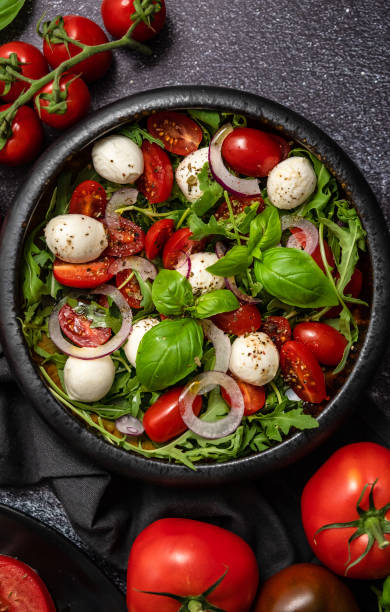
[[74, 97], [162, 420], [325, 342], [117, 19], [251, 152], [32, 65], [185, 558], [85, 31], [25, 142], [346, 498]]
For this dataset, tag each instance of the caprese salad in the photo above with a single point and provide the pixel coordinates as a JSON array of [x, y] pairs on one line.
[[193, 292]]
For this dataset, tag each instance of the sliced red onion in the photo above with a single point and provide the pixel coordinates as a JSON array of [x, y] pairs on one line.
[[220, 249], [145, 268], [222, 346], [292, 396], [93, 352], [129, 425], [184, 260], [121, 198], [223, 427], [230, 283], [235, 185], [308, 233]]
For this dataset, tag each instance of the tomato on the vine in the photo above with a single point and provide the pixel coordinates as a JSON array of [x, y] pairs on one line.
[[180, 134], [157, 236], [189, 558], [156, 181], [85, 31], [22, 588], [244, 320], [88, 198], [254, 397], [83, 275], [325, 342], [180, 242], [302, 372], [131, 290], [117, 17], [26, 140], [162, 420], [73, 102], [125, 240], [251, 151], [278, 329], [77, 328], [30, 64]]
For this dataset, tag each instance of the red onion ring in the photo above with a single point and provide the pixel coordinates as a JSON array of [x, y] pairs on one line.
[[223, 427], [308, 233], [185, 259], [121, 198], [292, 396], [222, 346], [129, 425], [93, 352], [143, 266], [235, 185], [230, 283], [220, 249]]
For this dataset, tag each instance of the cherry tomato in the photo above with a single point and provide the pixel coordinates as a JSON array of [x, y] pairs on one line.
[[254, 397], [21, 588], [278, 329], [283, 144], [76, 97], [189, 557], [251, 152], [238, 206], [33, 66], [131, 290], [325, 342], [162, 420], [305, 587], [127, 240], [78, 328], [157, 179], [157, 236], [26, 140], [302, 372], [89, 198], [316, 255], [177, 244], [244, 320], [85, 275], [85, 31], [180, 134], [332, 496], [117, 19]]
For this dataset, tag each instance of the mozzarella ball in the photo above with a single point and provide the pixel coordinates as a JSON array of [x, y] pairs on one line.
[[254, 358], [118, 159], [291, 182], [76, 238], [187, 173], [137, 333], [200, 279], [88, 380]]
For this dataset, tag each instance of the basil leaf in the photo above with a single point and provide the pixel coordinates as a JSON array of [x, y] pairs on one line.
[[171, 292], [326, 185], [293, 277], [265, 231], [215, 302], [210, 118], [212, 192], [8, 11], [168, 352], [236, 261]]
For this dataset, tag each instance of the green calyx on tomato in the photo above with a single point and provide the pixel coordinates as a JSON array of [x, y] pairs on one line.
[[371, 522]]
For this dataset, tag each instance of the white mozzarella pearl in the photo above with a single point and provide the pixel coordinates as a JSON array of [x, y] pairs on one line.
[[88, 380], [187, 173], [75, 238], [200, 279], [137, 333], [254, 358], [118, 159], [291, 182]]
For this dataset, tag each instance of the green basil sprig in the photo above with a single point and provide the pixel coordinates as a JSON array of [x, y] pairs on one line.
[[171, 293], [215, 302], [236, 261], [8, 11], [265, 231]]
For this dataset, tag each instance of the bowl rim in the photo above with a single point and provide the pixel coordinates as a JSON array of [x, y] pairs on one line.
[[98, 124]]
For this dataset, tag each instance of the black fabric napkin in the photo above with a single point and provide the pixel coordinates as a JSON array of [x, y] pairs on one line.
[[108, 511]]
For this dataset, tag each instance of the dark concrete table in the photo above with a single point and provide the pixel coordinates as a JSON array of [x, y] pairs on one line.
[[325, 60]]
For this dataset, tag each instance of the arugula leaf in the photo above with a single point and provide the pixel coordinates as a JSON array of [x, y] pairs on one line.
[[200, 229], [215, 302], [212, 192], [210, 118], [236, 261], [326, 185], [171, 292], [33, 286], [138, 135], [265, 231], [281, 421], [8, 11]]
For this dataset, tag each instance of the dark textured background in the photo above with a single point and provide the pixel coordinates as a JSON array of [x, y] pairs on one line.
[[325, 60]]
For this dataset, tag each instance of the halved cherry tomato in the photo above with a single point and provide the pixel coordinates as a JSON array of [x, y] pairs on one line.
[[302, 372], [254, 397], [325, 342], [180, 134], [84, 275], [127, 240], [162, 420], [316, 255], [177, 244], [238, 205], [78, 328], [278, 329], [244, 320], [251, 152], [131, 291], [157, 179], [21, 588], [157, 236], [89, 198], [32, 65], [117, 19]]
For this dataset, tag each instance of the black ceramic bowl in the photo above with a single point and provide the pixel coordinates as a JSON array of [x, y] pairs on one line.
[[43, 175]]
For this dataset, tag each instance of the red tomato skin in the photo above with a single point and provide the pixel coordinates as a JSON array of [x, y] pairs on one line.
[[254, 397], [278, 329], [177, 244], [316, 255], [83, 276], [35, 67], [89, 198], [78, 329], [245, 319], [131, 291], [302, 372], [238, 206], [116, 15], [325, 342], [26, 586], [189, 556], [85, 31], [157, 236], [127, 240], [162, 420], [331, 496], [26, 141], [283, 144], [78, 101], [353, 288], [251, 151], [156, 181], [180, 134]]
